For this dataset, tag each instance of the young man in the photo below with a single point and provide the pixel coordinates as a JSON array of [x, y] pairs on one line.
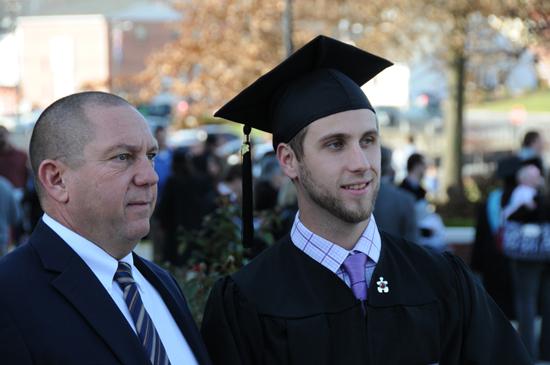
[[336, 290], [76, 293]]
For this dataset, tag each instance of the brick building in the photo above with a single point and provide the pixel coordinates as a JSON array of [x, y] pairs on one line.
[[84, 45]]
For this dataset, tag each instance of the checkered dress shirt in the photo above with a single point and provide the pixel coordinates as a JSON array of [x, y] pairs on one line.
[[332, 256]]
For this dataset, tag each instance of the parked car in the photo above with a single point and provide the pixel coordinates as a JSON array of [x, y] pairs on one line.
[[193, 136]]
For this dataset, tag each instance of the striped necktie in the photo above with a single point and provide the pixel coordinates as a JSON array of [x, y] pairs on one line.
[[144, 325]]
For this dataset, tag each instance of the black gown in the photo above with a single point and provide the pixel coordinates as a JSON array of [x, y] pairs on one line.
[[285, 308]]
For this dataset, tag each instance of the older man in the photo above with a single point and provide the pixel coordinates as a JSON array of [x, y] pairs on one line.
[[76, 293]]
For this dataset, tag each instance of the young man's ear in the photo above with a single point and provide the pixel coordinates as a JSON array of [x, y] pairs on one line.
[[51, 176], [287, 160]]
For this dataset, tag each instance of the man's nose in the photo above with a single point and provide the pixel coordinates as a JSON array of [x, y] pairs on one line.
[[357, 160], [146, 174]]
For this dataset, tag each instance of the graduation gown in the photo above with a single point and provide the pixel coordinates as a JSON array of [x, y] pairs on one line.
[[285, 308]]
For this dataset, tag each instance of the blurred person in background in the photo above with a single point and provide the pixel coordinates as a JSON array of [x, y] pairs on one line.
[[530, 152], [274, 198], [431, 229], [268, 184], [181, 208], [287, 207], [416, 168], [531, 279], [9, 214], [487, 257], [526, 193], [163, 168], [532, 147], [163, 161], [203, 153], [13, 163], [14, 167], [394, 208], [431, 179], [209, 168], [430, 226], [32, 211], [229, 188]]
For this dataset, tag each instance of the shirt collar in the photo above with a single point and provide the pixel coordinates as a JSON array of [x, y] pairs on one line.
[[100, 262], [329, 254]]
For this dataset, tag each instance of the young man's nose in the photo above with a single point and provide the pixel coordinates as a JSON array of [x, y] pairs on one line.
[[357, 159]]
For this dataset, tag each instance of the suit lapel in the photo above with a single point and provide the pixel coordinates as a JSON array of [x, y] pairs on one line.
[[174, 300], [78, 284]]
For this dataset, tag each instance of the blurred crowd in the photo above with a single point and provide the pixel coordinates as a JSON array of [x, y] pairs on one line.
[[518, 208]]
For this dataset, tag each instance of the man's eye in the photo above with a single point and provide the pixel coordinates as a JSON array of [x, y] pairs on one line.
[[122, 157], [368, 141], [151, 156], [335, 145]]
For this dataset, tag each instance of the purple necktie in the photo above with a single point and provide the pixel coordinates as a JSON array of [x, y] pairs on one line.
[[354, 265]]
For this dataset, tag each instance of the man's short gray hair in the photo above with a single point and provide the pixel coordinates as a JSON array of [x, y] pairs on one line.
[[63, 130]]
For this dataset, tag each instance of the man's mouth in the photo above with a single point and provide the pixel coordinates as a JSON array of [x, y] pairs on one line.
[[357, 186], [139, 203]]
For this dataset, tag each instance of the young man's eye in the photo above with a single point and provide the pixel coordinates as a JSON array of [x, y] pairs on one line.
[[335, 145], [367, 141]]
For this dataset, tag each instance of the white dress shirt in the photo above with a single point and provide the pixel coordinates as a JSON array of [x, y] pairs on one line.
[[104, 267]]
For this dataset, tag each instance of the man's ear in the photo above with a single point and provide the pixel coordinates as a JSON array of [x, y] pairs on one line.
[[51, 174], [287, 160]]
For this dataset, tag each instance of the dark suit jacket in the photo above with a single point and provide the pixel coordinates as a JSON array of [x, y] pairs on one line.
[[53, 310]]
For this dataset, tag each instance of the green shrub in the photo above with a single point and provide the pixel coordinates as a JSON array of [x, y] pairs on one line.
[[216, 250]]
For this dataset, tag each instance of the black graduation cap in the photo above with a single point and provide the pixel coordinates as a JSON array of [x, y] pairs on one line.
[[322, 78]]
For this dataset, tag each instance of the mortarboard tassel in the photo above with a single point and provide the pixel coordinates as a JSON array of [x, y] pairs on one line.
[[247, 208]]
